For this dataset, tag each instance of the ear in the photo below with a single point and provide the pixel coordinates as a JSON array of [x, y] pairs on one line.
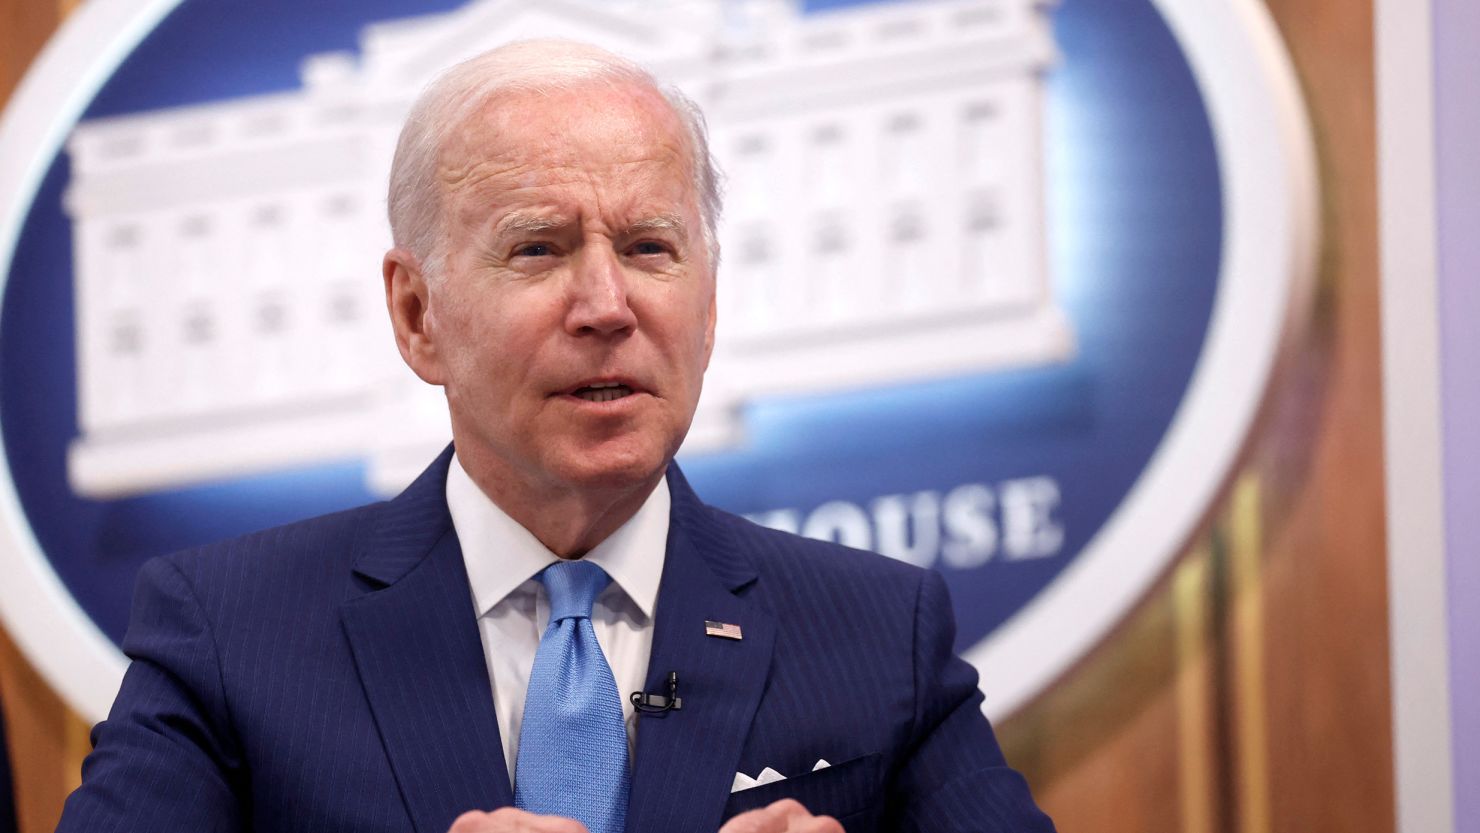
[[407, 299]]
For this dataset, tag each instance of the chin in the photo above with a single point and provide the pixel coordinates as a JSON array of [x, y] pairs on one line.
[[613, 468]]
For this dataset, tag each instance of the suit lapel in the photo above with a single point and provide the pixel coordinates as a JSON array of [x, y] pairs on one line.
[[686, 759], [415, 641]]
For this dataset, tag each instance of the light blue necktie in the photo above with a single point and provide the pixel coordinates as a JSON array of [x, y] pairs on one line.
[[573, 746]]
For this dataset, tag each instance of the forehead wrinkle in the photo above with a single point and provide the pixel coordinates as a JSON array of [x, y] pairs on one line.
[[492, 183], [613, 208], [460, 168], [557, 164], [657, 128], [518, 176]]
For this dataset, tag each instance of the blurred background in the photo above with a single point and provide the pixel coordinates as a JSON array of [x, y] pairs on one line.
[[1146, 322]]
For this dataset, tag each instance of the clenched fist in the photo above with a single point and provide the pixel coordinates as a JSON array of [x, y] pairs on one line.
[[513, 820], [784, 816]]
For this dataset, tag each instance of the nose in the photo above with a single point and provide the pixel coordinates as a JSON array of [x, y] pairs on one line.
[[599, 304]]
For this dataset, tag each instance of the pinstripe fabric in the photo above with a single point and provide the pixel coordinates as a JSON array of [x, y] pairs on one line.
[[846, 657], [328, 676]]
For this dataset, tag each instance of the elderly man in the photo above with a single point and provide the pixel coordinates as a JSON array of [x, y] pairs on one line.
[[461, 657]]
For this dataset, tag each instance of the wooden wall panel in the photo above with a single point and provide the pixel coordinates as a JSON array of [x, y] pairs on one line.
[[1248, 693], [1326, 584], [1288, 699], [47, 742], [24, 27]]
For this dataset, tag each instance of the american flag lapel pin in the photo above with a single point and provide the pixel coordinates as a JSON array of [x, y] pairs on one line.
[[723, 630]]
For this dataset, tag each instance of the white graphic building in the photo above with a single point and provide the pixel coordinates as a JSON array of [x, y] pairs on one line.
[[884, 223]]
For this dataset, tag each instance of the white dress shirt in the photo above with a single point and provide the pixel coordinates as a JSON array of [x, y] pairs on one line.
[[502, 559]]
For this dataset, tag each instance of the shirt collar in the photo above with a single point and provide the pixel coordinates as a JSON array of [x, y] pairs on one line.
[[500, 555]]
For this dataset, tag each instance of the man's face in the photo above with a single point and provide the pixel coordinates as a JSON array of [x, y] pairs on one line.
[[574, 317]]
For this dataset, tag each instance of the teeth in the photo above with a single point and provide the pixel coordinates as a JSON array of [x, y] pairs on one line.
[[604, 392]]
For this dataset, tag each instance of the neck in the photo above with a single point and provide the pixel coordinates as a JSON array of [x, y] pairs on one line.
[[569, 520]]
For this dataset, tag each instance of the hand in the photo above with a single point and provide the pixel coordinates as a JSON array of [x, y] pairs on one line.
[[514, 820], [784, 816]]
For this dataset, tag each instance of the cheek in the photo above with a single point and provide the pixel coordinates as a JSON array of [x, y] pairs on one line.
[[468, 345], [681, 333]]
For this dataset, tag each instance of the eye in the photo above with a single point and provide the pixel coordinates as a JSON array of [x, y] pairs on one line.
[[532, 250], [649, 247]]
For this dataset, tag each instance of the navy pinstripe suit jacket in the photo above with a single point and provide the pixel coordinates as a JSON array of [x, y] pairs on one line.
[[328, 676]]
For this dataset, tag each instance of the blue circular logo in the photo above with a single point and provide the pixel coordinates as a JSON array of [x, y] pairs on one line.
[[1002, 285]]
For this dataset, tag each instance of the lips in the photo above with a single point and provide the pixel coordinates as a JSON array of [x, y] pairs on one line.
[[602, 393], [606, 390]]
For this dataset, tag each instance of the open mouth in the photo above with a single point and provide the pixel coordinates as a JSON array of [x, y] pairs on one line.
[[603, 392]]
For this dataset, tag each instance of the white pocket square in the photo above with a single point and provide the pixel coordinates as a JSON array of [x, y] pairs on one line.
[[744, 782]]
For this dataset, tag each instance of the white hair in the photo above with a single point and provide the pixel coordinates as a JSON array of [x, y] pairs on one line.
[[414, 199]]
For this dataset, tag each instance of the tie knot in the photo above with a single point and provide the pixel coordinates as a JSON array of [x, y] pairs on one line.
[[573, 587]]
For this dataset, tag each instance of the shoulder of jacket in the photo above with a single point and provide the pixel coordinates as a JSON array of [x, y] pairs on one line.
[[289, 547]]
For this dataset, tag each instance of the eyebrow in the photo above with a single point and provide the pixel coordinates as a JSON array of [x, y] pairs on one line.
[[662, 222], [522, 223]]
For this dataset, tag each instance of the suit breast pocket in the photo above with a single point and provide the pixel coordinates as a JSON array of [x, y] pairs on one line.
[[839, 790]]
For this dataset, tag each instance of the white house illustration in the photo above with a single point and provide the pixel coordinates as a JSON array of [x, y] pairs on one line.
[[884, 223]]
